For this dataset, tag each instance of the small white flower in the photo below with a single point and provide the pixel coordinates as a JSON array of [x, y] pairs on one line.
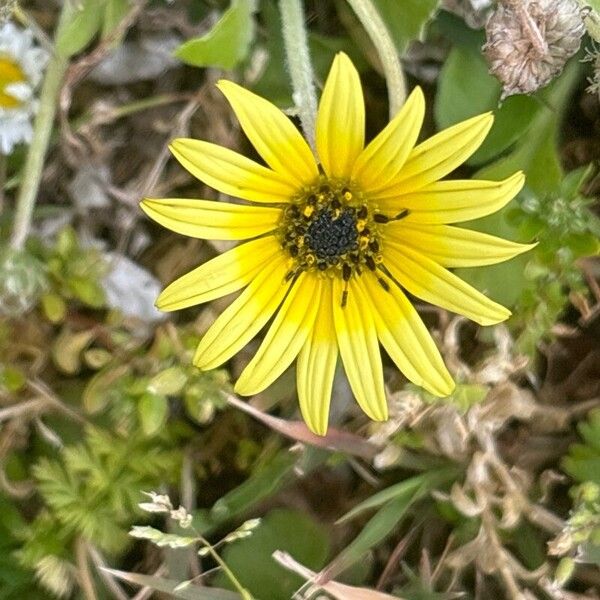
[[21, 67]]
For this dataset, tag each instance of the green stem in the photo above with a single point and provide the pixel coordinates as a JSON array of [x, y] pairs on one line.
[[298, 61], [244, 593], [2, 180], [34, 163], [386, 49]]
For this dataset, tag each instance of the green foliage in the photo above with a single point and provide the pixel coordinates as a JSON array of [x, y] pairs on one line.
[[565, 230], [92, 492], [227, 43], [583, 461], [582, 532], [84, 20], [74, 273], [251, 561], [135, 391], [406, 20], [392, 504], [15, 580]]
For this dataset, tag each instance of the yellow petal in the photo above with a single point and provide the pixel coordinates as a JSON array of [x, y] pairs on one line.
[[454, 201], [287, 334], [211, 220], [232, 173], [438, 156], [340, 126], [453, 246], [316, 366], [225, 274], [359, 349], [427, 280], [273, 135], [382, 160], [406, 339], [245, 317]]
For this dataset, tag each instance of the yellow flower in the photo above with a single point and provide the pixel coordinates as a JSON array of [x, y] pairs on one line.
[[335, 244]]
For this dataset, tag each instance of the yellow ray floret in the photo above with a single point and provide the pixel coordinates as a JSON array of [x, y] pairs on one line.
[[344, 235], [273, 135], [454, 246], [341, 119], [316, 365], [210, 220], [231, 173], [223, 275]]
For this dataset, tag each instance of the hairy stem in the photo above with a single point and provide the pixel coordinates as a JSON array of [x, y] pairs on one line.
[[34, 163], [300, 67], [386, 49]]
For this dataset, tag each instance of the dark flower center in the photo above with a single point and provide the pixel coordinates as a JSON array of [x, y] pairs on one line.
[[331, 236], [331, 228]]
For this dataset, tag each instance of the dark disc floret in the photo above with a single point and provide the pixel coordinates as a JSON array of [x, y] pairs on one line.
[[330, 228]]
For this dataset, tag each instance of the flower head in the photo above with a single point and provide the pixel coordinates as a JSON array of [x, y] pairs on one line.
[[21, 67], [335, 244]]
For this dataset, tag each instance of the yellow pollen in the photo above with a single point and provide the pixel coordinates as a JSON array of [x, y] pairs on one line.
[[360, 225], [347, 195], [308, 210], [10, 72]]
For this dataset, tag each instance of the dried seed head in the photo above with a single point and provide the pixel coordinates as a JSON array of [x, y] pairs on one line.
[[529, 42]]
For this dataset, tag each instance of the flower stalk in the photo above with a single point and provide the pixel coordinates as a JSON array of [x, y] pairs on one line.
[[384, 44], [298, 60], [34, 162]]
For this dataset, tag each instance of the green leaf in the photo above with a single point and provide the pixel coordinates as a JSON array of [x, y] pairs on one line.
[[12, 379], [101, 387], [406, 20], [251, 560], [394, 502], [79, 27], [174, 588], [536, 153], [466, 89], [114, 13], [152, 410], [168, 382], [405, 488], [259, 486], [67, 348], [227, 43], [54, 307]]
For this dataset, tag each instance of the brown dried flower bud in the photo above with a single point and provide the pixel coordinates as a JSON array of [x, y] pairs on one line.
[[529, 42]]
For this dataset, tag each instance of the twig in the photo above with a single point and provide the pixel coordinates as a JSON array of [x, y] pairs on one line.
[[109, 580], [29, 406], [395, 556], [86, 581], [43, 390]]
